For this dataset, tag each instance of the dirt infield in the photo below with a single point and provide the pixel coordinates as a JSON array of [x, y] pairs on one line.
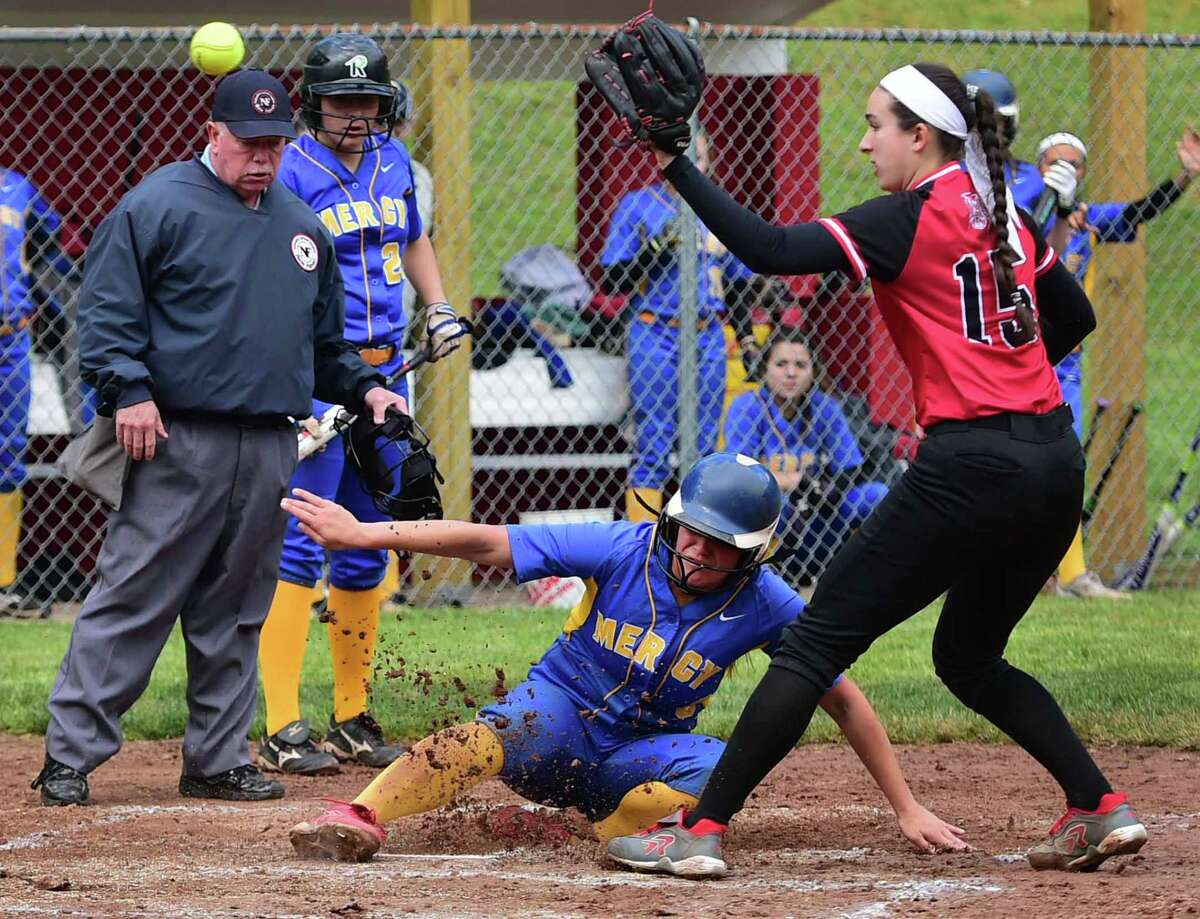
[[817, 840]]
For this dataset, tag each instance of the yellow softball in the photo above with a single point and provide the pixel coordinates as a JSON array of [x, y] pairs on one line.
[[217, 48]]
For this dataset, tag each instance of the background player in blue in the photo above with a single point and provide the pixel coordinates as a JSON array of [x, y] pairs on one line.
[[802, 436], [360, 184], [604, 722], [1075, 239], [641, 259], [30, 229]]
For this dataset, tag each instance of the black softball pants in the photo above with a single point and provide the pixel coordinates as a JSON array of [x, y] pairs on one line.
[[985, 514]]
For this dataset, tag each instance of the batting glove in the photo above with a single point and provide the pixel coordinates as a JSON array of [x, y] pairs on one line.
[[443, 330], [1061, 178]]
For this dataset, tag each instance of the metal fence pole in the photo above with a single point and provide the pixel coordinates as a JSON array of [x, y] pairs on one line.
[[691, 260]]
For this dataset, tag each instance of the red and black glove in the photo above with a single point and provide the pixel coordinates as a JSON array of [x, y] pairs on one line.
[[651, 76]]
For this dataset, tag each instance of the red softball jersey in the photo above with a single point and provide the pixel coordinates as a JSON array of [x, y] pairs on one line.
[[928, 252]]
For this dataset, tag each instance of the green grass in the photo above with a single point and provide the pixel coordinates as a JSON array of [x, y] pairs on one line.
[[1057, 15], [1125, 673]]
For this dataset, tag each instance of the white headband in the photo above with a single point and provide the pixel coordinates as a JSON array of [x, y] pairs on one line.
[[1062, 137], [920, 95]]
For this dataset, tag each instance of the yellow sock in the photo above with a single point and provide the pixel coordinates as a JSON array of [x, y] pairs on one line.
[[634, 512], [353, 621], [10, 535], [281, 653], [1072, 565], [434, 771], [640, 808], [391, 577]]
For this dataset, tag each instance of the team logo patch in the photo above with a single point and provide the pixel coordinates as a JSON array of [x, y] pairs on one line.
[[977, 215], [304, 251], [357, 66], [263, 101]]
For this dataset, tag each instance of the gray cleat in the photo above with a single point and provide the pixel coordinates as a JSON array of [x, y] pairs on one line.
[[1081, 840], [669, 847]]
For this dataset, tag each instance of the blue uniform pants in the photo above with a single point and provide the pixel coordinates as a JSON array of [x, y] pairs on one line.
[[654, 392], [15, 395], [553, 755], [329, 475]]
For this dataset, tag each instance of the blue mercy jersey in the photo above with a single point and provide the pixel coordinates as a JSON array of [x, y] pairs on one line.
[[648, 212], [818, 436], [372, 216], [629, 657], [22, 207]]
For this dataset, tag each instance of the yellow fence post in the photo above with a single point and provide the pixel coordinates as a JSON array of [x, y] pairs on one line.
[[442, 89], [1117, 350]]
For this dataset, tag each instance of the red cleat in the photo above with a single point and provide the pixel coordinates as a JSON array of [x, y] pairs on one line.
[[344, 833]]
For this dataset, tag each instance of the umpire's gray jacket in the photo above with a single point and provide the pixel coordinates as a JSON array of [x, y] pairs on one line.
[[208, 307]]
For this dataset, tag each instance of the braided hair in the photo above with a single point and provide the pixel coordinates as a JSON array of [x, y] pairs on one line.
[[980, 114]]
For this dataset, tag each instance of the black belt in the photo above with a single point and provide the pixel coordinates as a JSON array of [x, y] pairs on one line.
[[1033, 428], [244, 421]]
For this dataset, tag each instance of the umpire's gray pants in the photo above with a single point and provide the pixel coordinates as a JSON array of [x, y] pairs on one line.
[[197, 538]]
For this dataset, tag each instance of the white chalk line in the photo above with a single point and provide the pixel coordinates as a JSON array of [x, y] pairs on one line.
[[434, 856], [911, 891]]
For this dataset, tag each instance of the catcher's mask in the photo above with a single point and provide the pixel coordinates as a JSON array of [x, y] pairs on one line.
[[726, 497], [396, 467], [348, 64]]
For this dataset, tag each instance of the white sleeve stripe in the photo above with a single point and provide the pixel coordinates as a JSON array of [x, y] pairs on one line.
[[1047, 261], [847, 243]]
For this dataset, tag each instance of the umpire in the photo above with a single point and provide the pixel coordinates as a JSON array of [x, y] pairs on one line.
[[211, 310]]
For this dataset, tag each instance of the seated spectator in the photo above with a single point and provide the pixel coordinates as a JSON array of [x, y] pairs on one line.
[[802, 435]]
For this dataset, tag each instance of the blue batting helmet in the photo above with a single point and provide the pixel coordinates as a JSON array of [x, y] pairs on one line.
[[1003, 93], [727, 497]]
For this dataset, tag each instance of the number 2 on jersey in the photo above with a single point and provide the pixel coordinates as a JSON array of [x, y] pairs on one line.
[[393, 266], [967, 273]]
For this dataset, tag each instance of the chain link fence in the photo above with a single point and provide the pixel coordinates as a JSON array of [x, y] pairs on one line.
[[601, 364]]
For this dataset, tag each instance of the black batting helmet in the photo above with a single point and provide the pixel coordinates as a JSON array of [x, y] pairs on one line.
[[348, 64]]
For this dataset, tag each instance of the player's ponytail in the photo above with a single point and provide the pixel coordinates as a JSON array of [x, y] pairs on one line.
[[987, 124]]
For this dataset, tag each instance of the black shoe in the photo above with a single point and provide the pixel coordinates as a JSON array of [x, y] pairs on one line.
[[292, 750], [360, 740], [243, 783], [60, 784], [23, 606]]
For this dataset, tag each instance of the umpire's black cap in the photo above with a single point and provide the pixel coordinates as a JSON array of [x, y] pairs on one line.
[[252, 103]]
